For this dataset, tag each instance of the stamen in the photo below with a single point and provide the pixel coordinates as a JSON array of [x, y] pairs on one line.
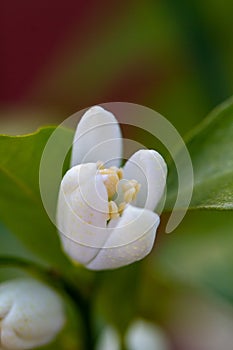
[[128, 189], [121, 207], [118, 171], [129, 195], [100, 165], [112, 210], [131, 189], [110, 180]]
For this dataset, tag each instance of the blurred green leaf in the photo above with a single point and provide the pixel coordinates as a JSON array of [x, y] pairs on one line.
[[211, 150], [11, 246], [21, 208], [200, 252]]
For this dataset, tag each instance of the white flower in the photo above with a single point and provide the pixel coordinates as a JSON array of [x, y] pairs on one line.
[[31, 314], [105, 213], [146, 335], [109, 339], [140, 335]]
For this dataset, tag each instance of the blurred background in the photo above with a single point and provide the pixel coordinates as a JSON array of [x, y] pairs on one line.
[[173, 56], [58, 57]]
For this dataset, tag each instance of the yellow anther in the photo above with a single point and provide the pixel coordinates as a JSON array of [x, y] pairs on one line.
[[112, 210], [129, 184], [118, 171], [129, 195], [100, 165], [110, 180], [131, 189], [138, 186], [121, 207]]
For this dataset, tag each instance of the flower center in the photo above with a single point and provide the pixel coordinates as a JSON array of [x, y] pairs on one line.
[[120, 193]]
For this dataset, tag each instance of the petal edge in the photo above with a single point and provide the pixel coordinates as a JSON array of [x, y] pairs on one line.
[[150, 170], [131, 240], [97, 138]]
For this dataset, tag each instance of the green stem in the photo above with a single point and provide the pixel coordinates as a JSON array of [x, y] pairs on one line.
[[59, 281], [122, 345], [84, 307], [88, 329]]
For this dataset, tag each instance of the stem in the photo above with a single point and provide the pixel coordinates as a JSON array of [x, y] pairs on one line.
[[89, 340], [81, 302], [83, 305], [122, 345]]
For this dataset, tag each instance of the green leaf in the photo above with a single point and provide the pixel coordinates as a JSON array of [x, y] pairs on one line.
[[21, 208], [200, 252], [11, 245], [211, 150]]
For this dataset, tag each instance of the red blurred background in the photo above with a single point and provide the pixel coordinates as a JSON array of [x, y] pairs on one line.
[[60, 56]]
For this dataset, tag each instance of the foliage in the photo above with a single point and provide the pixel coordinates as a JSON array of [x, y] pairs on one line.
[[199, 253]]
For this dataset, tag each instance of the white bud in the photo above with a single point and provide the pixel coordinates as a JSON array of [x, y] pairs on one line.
[[140, 335], [145, 335], [105, 214], [109, 339], [31, 314]]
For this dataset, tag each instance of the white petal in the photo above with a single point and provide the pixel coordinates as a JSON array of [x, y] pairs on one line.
[[82, 212], [146, 335], [108, 339], [97, 138], [150, 170], [35, 315], [131, 239]]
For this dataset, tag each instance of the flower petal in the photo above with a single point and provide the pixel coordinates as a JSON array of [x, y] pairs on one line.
[[35, 315], [146, 335], [130, 240], [150, 170], [97, 138], [82, 212]]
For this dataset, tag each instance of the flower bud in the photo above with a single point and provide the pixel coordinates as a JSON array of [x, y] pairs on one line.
[[146, 335], [31, 314], [140, 335], [105, 214]]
